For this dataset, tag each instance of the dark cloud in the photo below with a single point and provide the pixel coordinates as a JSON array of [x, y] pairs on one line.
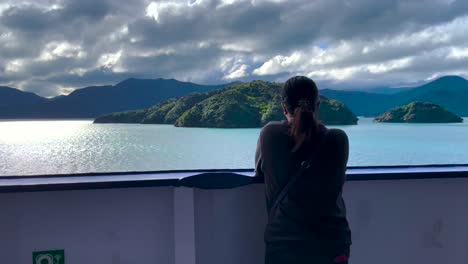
[[37, 20], [51, 47], [28, 19], [90, 9]]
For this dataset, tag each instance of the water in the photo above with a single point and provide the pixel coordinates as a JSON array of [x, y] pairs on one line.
[[60, 147]]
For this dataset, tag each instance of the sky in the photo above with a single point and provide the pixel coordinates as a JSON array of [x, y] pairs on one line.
[[51, 47]]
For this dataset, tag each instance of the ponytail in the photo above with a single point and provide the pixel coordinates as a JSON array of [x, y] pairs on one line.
[[300, 98], [304, 125]]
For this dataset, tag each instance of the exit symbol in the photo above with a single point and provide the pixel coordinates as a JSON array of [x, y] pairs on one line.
[[49, 257]]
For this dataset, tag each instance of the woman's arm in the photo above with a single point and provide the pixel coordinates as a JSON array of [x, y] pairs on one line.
[[336, 160], [258, 157]]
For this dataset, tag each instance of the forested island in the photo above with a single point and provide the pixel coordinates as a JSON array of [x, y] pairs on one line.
[[419, 112], [242, 105]]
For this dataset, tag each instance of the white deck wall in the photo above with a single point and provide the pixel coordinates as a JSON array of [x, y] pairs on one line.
[[400, 221]]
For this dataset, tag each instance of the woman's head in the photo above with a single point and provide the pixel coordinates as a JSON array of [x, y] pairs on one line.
[[300, 100]]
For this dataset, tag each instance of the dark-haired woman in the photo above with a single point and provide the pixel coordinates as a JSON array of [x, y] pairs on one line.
[[303, 164]]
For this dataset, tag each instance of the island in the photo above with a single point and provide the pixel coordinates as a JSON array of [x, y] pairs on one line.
[[241, 105], [419, 112]]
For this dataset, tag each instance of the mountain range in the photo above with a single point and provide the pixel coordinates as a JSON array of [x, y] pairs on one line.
[[450, 92], [93, 101], [14, 97]]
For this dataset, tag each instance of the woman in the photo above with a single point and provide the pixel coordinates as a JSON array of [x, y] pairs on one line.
[[308, 224]]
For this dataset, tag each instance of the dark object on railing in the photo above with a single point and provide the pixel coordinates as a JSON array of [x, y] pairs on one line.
[[216, 180]]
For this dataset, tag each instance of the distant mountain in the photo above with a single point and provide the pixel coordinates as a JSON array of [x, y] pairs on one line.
[[242, 105], [12, 97], [93, 101], [418, 112], [386, 90], [450, 92]]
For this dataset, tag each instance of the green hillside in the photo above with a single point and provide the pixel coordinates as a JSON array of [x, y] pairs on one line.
[[417, 112], [242, 105]]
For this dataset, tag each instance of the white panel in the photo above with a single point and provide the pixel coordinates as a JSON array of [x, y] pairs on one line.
[[115, 226], [406, 221], [233, 232]]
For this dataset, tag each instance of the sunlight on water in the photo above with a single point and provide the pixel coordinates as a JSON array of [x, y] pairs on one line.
[[39, 131], [61, 147]]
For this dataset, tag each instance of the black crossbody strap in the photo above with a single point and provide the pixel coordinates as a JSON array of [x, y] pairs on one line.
[[305, 165]]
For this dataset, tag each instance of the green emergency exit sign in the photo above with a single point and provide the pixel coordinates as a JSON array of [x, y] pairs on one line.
[[49, 257]]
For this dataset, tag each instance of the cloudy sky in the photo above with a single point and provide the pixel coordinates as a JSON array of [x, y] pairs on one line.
[[52, 47]]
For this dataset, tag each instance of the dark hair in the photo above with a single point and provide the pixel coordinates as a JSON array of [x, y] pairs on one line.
[[300, 97]]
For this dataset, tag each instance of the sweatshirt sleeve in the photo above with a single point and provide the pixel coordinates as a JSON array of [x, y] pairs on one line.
[[258, 157]]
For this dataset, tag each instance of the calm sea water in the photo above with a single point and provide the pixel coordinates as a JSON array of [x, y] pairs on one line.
[[60, 147]]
